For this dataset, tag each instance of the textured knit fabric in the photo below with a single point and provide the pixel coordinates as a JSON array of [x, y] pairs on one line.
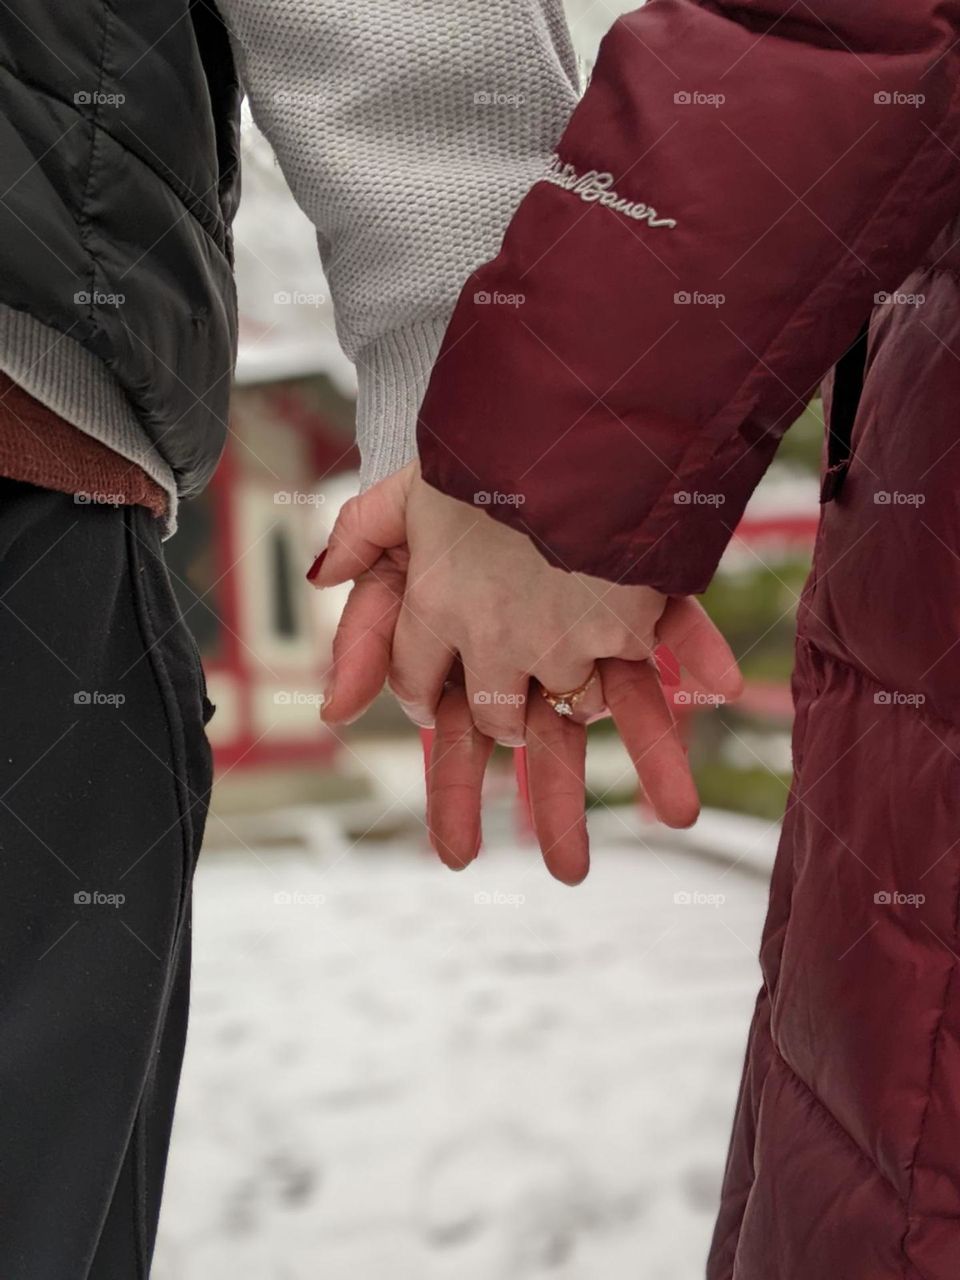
[[64, 378], [39, 447], [408, 134]]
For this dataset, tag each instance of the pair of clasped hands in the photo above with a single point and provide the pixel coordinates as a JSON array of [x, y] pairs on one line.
[[471, 627]]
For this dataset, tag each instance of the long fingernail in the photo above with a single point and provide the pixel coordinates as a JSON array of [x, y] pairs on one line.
[[314, 571], [420, 716], [667, 666], [512, 743]]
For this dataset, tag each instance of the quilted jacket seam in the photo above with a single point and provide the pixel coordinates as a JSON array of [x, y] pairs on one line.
[[920, 710], [935, 1049], [936, 1040], [841, 1129], [206, 219], [84, 222]]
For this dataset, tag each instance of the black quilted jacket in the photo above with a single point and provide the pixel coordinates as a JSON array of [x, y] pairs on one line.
[[119, 175]]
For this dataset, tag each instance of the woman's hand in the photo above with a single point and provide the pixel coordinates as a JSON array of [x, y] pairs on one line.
[[478, 590], [368, 545], [482, 591]]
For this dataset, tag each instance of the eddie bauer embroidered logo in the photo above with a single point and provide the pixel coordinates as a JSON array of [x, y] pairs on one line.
[[597, 188]]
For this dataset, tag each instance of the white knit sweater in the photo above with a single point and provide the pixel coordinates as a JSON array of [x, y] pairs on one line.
[[408, 131]]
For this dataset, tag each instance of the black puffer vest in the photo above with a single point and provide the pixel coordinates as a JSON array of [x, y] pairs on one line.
[[119, 177]]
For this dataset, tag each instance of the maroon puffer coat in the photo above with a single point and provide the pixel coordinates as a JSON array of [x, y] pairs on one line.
[[738, 190]]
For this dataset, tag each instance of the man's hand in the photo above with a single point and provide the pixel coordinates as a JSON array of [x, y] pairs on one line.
[[556, 751]]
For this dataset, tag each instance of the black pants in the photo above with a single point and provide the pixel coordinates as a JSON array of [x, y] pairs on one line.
[[104, 782]]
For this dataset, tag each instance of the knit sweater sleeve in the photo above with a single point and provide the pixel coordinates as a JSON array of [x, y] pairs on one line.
[[408, 133]]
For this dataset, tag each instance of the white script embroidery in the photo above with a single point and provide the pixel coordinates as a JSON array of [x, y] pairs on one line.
[[597, 188]]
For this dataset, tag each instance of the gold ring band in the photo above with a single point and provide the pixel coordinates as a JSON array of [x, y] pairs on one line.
[[565, 703]]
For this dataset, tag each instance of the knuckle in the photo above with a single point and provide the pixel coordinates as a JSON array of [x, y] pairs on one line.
[[488, 725], [385, 574], [497, 711], [451, 738], [459, 754], [405, 687], [348, 519], [620, 681], [501, 728]]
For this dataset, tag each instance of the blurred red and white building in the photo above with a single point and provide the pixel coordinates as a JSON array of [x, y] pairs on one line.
[[242, 549]]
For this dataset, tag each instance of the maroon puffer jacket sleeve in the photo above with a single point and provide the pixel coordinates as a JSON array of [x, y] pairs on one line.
[[737, 185]]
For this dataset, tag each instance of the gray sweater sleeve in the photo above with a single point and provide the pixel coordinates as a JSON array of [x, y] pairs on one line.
[[408, 131]]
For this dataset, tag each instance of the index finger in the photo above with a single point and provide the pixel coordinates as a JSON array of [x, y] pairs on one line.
[[556, 764], [362, 643], [458, 762]]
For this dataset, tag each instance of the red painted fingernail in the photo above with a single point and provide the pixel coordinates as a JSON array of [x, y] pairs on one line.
[[667, 665], [317, 565]]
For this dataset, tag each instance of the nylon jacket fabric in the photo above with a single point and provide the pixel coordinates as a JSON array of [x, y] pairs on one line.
[[623, 413]]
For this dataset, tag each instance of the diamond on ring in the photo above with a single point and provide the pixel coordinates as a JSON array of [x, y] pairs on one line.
[[564, 703]]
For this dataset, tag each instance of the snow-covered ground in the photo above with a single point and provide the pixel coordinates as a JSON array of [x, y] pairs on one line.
[[394, 1071]]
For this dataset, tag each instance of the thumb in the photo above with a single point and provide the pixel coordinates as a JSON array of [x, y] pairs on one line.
[[368, 525]]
